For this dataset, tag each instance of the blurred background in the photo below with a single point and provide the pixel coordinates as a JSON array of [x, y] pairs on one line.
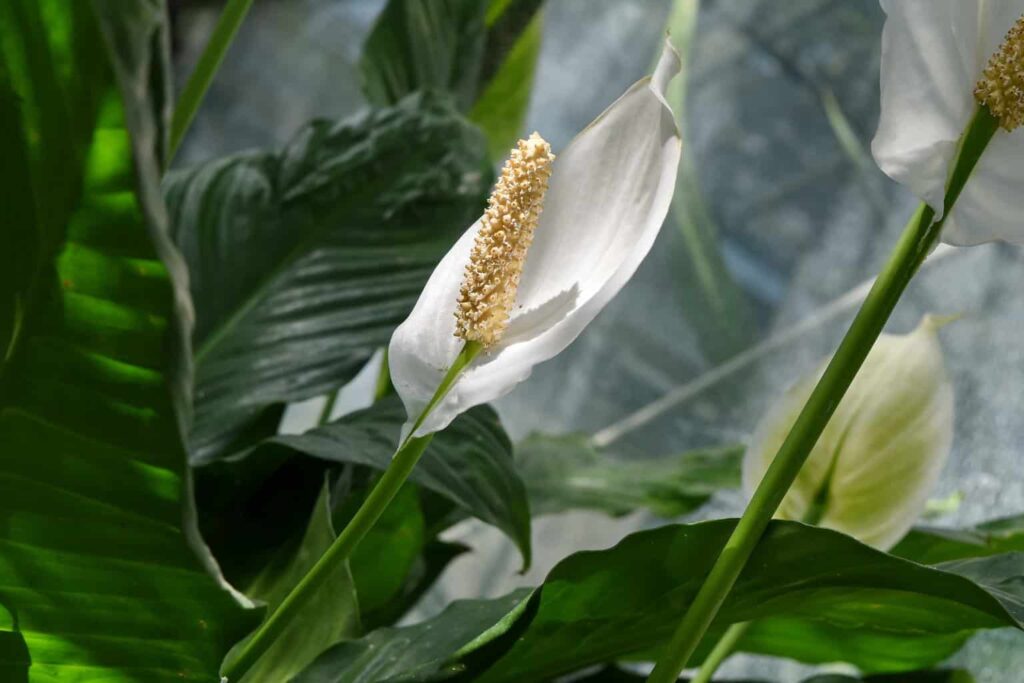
[[780, 219]]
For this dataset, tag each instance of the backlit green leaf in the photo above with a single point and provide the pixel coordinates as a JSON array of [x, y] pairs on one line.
[[98, 552]]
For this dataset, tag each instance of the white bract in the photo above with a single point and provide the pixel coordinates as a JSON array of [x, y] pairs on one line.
[[934, 52], [607, 197], [878, 459]]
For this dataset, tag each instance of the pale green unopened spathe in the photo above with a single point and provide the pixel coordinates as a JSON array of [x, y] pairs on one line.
[[876, 463]]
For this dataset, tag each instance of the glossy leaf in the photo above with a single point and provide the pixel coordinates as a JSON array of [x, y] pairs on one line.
[[302, 262], [470, 463], [568, 472], [448, 647], [817, 595], [332, 615], [99, 568]]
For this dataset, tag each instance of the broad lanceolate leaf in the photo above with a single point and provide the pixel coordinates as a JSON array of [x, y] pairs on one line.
[[331, 616], [96, 568], [817, 595], [470, 463], [482, 53], [568, 472], [452, 646], [302, 262]]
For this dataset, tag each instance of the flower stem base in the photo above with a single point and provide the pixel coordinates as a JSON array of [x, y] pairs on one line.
[[402, 464]]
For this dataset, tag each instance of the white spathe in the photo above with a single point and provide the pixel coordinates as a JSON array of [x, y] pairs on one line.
[[933, 53], [883, 449], [609, 192]]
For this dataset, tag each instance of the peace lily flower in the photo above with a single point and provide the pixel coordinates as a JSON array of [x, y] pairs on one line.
[[941, 60], [560, 237], [872, 470]]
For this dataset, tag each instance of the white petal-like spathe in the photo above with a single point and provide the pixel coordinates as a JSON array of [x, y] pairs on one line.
[[933, 52], [882, 451], [609, 192]]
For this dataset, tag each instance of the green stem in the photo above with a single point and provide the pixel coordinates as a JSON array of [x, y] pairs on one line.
[[325, 412], [917, 240], [731, 638], [723, 648], [402, 464], [187, 105]]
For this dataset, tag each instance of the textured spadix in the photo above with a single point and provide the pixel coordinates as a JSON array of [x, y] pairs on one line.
[[935, 55], [496, 262], [878, 459], [608, 194], [1001, 87]]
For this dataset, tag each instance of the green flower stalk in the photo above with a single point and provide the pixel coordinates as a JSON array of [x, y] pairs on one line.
[[905, 151], [871, 472]]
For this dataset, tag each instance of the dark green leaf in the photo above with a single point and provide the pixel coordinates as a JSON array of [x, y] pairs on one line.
[[937, 676], [513, 43], [568, 472], [247, 512], [501, 108], [422, 575], [99, 569], [425, 45], [331, 616], [303, 262], [482, 54], [17, 216], [250, 510], [442, 648], [469, 463], [931, 545], [384, 558], [817, 596], [14, 656]]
